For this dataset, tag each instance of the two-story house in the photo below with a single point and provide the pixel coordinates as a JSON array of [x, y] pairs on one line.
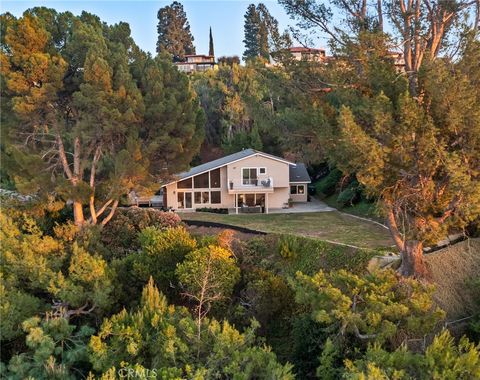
[[196, 62], [301, 53], [246, 181]]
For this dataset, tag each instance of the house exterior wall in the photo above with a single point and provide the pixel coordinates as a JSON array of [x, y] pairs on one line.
[[278, 198], [300, 197], [276, 170]]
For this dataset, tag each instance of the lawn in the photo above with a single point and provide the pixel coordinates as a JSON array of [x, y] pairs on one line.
[[330, 226]]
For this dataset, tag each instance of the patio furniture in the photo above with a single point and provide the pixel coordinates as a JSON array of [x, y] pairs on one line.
[[251, 209]]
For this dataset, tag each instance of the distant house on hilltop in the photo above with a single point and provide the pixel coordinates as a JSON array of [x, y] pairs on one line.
[[196, 62], [301, 53]]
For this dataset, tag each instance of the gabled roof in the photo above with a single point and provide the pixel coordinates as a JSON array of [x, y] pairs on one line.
[[298, 173], [225, 161]]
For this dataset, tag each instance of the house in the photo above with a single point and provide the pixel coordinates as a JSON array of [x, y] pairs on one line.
[[246, 181], [398, 60], [301, 53], [196, 62]]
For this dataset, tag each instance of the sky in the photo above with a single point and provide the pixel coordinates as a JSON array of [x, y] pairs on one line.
[[225, 17]]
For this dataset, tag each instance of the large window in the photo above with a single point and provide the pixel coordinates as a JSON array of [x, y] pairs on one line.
[[215, 197], [185, 184], [251, 200], [215, 178], [204, 197], [198, 197], [201, 181], [249, 176], [184, 199]]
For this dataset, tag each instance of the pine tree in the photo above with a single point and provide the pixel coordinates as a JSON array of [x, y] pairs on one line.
[[251, 30], [174, 34], [211, 50], [261, 32], [98, 138]]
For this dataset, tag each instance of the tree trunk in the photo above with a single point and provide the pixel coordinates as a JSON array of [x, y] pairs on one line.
[[78, 213], [412, 260]]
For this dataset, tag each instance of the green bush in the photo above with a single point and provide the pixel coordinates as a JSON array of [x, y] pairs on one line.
[[328, 184], [351, 195], [120, 235], [288, 246], [212, 210]]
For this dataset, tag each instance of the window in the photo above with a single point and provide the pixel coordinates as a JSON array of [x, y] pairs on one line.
[[249, 176], [180, 200], [184, 199], [297, 189], [201, 181], [205, 197], [250, 199], [262, 170], [215, 178], [215, 197], [185, 184], [241, 200], [260, 200], [198, 197]]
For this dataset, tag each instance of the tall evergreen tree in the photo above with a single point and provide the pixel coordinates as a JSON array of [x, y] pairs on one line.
[[211, 50], [251, 30], [82, 117], [261, 32], [174, 34]]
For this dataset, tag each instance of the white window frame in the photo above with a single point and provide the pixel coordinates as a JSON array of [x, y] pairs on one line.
[[249, 179], [296, 187], [210, 179], [201, 197], [264, 170], [215, 204]]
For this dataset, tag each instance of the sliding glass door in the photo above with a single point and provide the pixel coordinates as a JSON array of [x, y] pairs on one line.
[[184, 199]]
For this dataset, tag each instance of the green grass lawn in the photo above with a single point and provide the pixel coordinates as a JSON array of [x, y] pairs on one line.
[[332, 226]]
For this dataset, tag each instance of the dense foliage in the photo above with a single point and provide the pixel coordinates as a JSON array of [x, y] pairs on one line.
[[87, 117], [174, 36]]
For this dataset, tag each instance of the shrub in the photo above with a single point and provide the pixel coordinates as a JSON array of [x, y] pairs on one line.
[[121, 234], [161, 251], [377, 307], [288, 247], [349, 196], [443, 359], [213, 210], [327, 185]]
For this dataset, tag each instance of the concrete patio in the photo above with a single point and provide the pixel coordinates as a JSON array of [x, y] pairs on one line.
[[314, 205]]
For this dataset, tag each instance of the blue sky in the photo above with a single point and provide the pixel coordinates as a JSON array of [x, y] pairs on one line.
[[225, 17]]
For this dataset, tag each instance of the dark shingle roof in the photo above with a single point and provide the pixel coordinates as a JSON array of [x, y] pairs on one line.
[[222, 162], [298, 173]]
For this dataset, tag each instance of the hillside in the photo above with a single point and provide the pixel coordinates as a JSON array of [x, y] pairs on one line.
[[453, 269]]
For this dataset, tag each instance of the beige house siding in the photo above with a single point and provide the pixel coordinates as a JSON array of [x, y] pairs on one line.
[[278, 198], [276, 170]]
